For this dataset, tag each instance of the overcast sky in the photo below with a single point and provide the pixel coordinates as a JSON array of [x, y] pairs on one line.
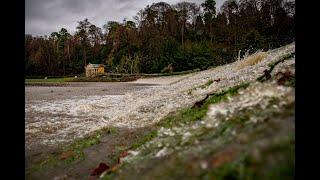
[[45, 16]]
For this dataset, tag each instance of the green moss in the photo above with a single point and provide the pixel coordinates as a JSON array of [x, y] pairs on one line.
[[281, 59], [193, 114], [148, 137], [208, 83]]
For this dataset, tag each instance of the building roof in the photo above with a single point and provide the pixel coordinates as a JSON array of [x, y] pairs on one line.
[[95, 65]]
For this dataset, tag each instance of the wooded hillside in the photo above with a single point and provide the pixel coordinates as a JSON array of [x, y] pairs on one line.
[[184, 35]]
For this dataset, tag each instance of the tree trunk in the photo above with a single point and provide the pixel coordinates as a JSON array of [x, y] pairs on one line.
[[64, 70], [182, 33], [69, 54], [49, 66], [84, 56], [211, 32], [132, 61]]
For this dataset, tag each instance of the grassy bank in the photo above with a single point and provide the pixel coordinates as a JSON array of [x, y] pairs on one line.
[[103, 78], [50, 80]]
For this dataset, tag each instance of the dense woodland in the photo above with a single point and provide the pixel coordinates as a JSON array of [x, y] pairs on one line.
[[182, 36]]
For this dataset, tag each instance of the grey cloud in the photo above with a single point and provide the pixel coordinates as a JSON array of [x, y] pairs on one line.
[[46, 16]]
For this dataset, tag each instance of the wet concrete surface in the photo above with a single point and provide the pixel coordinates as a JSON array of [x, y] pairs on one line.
[[47, 92]]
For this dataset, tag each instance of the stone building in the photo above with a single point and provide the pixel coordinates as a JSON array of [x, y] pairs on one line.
[[94, 69]]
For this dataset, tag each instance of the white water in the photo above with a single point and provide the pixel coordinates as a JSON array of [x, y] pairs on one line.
[[60, 121]]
